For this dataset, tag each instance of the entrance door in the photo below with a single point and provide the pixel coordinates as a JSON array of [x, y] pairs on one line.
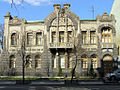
[[107, 64], [108, 67]]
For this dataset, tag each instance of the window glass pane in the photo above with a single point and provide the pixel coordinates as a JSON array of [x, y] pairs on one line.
[[62, 61], [12, 62], [61, 37], [92, 37], [106, 39], [39, 38], [53, 61], [14, 39], [53, 37], [29, 38], [84, 37]]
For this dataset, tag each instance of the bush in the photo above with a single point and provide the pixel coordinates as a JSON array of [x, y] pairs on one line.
[[60, 72], [91, 71]]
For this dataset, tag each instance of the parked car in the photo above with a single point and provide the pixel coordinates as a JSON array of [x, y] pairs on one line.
[[112, 77]]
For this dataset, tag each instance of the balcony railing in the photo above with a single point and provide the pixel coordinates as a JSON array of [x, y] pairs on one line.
[[61, 45], [107, 45]]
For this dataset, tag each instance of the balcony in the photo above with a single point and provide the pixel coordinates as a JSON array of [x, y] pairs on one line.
[[61, 45], [107, 45]]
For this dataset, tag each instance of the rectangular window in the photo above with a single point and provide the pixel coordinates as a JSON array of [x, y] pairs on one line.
[[62, 61], [29, 39], [39, 38], [92, 37], [53, 37], [69, 36], [61, 37], [84, 36]]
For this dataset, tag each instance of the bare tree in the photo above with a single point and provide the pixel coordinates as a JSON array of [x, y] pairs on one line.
[[1, 34], [22, 54], [75, 63]]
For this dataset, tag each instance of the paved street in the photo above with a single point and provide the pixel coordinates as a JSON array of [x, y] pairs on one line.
[[59, 85], [98, 87]]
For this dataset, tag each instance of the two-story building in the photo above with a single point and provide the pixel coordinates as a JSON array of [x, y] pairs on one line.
[[61, 40]]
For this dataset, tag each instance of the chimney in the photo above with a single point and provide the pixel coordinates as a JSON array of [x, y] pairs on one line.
[[56, 6], [66, 6]]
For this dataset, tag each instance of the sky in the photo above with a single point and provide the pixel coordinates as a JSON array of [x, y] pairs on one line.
[[39, 9]]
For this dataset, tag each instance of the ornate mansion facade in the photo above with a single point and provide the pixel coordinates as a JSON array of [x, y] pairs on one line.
[[59, 41]]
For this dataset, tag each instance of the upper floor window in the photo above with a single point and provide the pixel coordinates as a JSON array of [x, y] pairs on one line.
[[92, 37], [12, 61], [39, 38], [14, 39], [53, 37], [84, 37], [29, 38], [69, 36], [61, 36], [106, 35]]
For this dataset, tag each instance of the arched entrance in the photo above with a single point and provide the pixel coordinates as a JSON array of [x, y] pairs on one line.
[[107, 64]]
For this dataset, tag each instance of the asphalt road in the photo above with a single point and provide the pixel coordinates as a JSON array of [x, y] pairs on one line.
[[92, 87]]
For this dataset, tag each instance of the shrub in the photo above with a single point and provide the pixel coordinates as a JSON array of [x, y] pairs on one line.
[[60, 72], [91, 71]]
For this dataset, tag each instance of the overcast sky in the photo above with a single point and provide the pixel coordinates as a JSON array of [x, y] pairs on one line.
[[39, 9]]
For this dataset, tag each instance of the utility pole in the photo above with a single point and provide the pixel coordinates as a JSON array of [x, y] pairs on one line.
[[93, 11]]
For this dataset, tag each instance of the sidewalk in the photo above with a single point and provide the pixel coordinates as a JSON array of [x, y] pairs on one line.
[[55, 82]]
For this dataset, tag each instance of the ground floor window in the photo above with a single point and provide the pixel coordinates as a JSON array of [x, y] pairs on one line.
[[62, 61], [84, 62], [28, 61], [37, 61], [69, 61], [12, 61], [94, 61], [54, 61]]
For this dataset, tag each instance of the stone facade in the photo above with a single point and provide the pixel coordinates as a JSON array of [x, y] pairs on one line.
[[61, 40]]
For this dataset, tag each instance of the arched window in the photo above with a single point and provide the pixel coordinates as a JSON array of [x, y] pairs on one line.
[[106, 35], [28, 61], [84, 62], [37, 61], [39, 38], [12, 61], [94, 60], [14, 39]]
